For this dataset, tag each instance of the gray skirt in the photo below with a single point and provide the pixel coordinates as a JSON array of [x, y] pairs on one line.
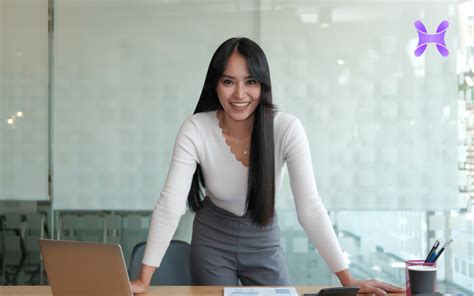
[[226, 248]]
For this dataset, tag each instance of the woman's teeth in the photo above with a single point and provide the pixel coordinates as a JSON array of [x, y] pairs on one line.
[[240, 104]]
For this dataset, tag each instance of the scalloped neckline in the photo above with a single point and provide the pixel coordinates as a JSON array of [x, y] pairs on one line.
[[226, 141]]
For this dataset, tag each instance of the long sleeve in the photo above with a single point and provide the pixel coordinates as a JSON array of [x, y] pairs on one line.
[[172, 203], [312, 215]]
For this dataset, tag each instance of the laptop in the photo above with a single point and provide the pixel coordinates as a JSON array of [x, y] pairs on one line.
[[84, 268]]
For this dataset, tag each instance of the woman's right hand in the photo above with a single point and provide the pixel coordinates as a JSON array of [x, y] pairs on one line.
[[138, 287]]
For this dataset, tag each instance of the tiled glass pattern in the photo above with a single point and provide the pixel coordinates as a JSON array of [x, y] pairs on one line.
[[381, 123], [127, 73], [355, 84], [23, 100]]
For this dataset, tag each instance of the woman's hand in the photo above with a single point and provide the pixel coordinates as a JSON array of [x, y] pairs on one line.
[[138, 287], [375, 287], [367, 286]]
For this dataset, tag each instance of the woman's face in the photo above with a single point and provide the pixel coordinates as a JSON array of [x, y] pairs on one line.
[[238, 92]]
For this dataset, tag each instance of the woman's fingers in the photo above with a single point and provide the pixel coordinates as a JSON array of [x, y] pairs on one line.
[[378, 288], [369, 289], [387, 287], [390, 288], [378, 291], [137, 287]]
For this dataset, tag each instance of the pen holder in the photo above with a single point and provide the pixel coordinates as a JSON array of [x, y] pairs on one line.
[[409, 263]]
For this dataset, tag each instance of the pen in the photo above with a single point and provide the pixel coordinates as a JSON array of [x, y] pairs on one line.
[[431, 258], [433, 249], [442, 250]]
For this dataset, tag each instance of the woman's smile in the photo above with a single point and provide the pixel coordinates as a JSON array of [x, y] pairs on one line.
[[239, 106]]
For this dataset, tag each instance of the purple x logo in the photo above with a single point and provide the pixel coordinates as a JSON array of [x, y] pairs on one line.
[[438, 38]]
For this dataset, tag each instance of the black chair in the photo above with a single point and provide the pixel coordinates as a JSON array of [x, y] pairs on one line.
[[174, 269]]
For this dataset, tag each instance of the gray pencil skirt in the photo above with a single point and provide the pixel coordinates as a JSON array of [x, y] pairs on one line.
[[226, 247]]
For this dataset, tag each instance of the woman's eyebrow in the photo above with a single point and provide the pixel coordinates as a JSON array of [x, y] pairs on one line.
[[231, 77]]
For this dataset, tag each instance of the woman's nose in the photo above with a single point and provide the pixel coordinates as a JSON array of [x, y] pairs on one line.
[[240, 91]]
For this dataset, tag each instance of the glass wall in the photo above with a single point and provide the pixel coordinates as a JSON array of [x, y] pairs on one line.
[[389, 132], [127, 73], [24, 100]]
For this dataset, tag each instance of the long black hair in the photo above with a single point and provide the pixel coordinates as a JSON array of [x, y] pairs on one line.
[[261, 177]]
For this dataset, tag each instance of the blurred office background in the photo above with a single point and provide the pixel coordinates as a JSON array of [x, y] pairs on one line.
[[92, 93]]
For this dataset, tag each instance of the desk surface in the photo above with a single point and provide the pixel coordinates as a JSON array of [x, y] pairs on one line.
[[153, 291]]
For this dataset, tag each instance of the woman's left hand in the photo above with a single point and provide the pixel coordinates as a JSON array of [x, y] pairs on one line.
[[367, 286], [375, 287]]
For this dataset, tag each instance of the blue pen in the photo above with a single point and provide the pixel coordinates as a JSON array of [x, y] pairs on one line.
[[441, 251], [431, 258], [433, 251]]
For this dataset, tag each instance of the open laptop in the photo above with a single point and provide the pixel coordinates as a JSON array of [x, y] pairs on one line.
[[84, 268]]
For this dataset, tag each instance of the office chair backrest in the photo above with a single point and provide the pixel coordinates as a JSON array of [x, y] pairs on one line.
[[174, 269]]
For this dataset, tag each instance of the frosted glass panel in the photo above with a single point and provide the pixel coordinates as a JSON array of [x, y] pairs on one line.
[[127, 74], [23, 100], [380, 121]]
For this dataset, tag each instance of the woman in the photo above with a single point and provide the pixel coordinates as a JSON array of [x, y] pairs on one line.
[[235, 147]]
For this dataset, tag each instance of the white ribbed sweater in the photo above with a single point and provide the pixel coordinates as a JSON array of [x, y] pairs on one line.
[[200, 140]]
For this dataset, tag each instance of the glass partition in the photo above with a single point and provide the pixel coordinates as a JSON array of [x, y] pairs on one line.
[[127, 74], [24, 160]]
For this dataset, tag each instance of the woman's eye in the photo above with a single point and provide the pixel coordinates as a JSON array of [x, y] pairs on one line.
[[252, 81], [226, 81]]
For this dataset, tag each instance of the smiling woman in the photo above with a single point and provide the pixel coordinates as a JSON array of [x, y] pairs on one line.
[[238, 92], [236, 236], [239, 96], [99, 122]]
